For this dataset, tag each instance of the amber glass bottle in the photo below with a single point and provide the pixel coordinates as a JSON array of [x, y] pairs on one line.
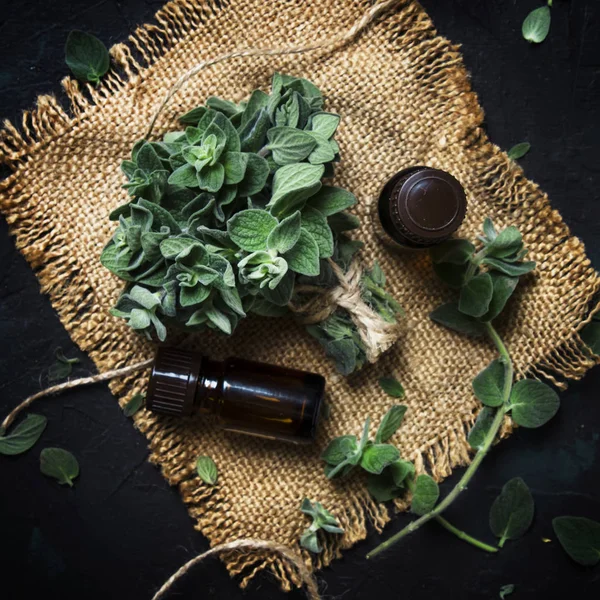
[[419, 207], [246, 396]]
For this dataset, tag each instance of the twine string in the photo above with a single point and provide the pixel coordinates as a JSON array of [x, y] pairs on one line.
[[294, 559], [339, 40], [74, 383]]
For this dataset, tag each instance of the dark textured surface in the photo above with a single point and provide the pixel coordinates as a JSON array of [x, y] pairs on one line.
[[121, 530]]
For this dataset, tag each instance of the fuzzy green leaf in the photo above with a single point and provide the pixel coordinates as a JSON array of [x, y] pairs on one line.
[[503, 288], [316, 224], [309, 541], [211, 179], [508, 268], [537, 25], [323, 152], [456, 252], [62, 368], [292, 186], [511, 513], [86, 56], [60, 464], [303, 258], [235, 164], [580, 538], [290, 145], [330, 200], [519, 150], [392, 387], [482, 426], [533, 403], [425, 495], [339, 449], [390, 423], [249, 229], [285, 235], [508, 242], [377, 457], [255, 178], [23, 436], [476, 295], [207, 470], [449, 316], [325, 123], [489, 384]]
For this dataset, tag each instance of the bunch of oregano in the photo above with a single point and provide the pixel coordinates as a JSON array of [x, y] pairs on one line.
[[227, 216]]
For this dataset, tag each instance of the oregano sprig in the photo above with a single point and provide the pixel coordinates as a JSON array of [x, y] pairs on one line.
[[485, 277], [322, 519]]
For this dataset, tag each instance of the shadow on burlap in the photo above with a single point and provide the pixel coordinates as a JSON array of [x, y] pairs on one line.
[[405, 99]]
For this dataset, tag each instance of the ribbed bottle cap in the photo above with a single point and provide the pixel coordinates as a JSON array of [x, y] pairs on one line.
[[428, 205], [173, 381]]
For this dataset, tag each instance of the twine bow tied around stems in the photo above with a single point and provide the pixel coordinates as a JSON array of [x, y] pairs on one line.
[[376, 333]]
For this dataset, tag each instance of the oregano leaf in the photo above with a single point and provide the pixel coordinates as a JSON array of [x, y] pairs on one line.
[[449, 316], [316, 224], [519, 150], [23, 436], [339, 449], [290, 145], [60, 464], [537, 25], [476, 295], [533, 403], [392, 387], [207, 470], [390, 423], [377, 457], [580, 538], [62, 368], [511, 513], [425, 495], [489, 384], [285, 235], [86, 56], [481, 428], [303, 258], [133, 405], [249, 229]]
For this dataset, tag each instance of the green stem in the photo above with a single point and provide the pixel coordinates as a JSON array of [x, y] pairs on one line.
[[465, 536], [477, 459]]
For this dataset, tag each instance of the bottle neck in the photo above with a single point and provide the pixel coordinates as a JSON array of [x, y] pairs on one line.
[[209, 388]]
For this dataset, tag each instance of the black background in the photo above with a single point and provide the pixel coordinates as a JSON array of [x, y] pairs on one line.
[[121, 530]]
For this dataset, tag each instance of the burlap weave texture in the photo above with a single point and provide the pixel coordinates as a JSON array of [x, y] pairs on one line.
[[405, 99]]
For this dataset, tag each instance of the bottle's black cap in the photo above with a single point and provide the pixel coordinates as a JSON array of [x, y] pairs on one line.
[[427, 205], [173, 381]]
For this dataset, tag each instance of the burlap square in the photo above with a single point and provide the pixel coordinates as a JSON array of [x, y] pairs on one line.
[[405, 99]]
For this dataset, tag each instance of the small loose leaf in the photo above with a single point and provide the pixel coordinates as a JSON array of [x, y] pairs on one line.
[[537, 25], [425, 495], [23, 436], [519, 150], [392, 387], [309, 541], [511, 513], [62, 368], [207, 470], [507, 589], [489, 384], [134, 404], [580, 538], [590, 334], [86, 56], [60, 464], [533, 403], [390, 423], [479, 432]]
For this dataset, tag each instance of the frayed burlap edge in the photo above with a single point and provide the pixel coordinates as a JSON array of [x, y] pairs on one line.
[[59, 278]]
